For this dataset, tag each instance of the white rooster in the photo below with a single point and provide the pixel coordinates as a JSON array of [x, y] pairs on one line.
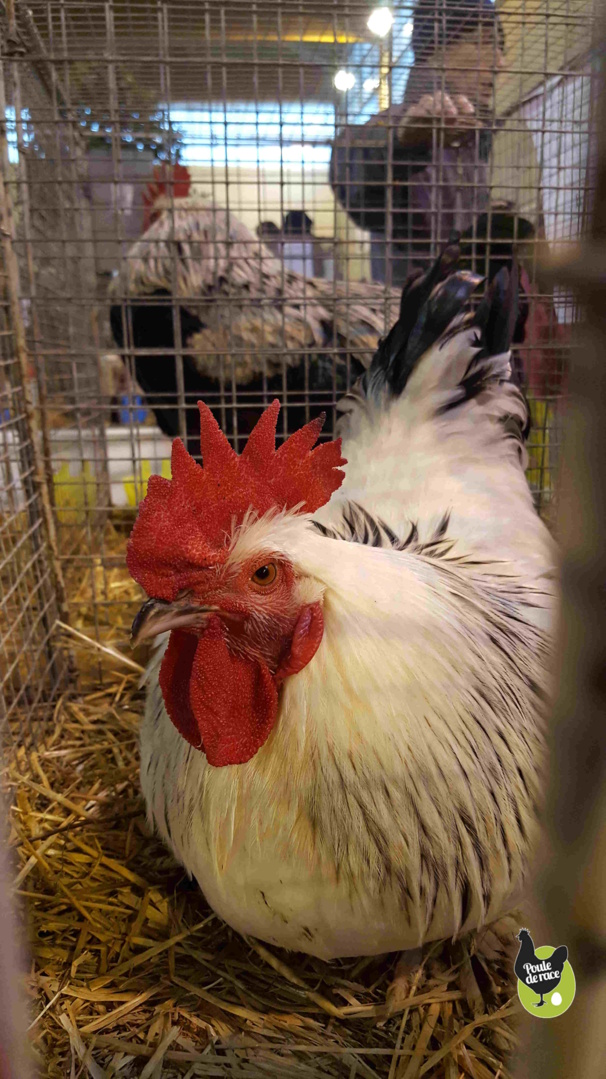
[[343, 739]]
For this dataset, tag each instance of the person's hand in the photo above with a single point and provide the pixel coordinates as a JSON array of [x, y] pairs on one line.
[[455, 113]]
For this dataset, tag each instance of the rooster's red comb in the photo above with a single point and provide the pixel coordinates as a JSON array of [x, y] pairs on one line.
[[185, 523], [174, 178]]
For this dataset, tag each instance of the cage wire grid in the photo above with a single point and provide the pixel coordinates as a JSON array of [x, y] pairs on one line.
[[218, 292]]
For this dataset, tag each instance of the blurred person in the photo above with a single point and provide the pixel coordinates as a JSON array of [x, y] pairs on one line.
[[299, 242], [418, 171], [270, 235], [298, 223]]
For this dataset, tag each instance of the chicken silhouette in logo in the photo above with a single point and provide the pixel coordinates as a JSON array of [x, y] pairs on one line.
[[540, 975]]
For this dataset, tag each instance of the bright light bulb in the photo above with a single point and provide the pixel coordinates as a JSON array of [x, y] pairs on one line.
[[344, 80], [407, 29], [371, 84], [380, 21]]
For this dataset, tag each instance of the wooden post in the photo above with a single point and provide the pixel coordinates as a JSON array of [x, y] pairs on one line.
[[571, 883], [14, 1056]]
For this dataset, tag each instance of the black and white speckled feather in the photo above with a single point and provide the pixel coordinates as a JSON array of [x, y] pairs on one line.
[[433, 312], [358, 526]]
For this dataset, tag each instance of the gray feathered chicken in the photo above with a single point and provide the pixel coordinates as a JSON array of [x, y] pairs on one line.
[[343, 736], [244, 320]]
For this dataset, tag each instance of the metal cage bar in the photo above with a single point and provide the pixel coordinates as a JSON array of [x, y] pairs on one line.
[[216, 296]]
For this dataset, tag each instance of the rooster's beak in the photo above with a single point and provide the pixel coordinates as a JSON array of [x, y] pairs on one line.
[[157, 616]]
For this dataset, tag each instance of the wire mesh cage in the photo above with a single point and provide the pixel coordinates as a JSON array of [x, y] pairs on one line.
[[32, 669], [222, 200]]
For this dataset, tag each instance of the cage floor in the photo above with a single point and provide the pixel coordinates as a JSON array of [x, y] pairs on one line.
[[133, 975]]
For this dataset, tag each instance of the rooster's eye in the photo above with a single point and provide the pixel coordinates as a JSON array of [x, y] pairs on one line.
[[265, 574]]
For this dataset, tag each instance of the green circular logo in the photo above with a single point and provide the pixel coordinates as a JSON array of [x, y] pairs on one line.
[[540, 976]]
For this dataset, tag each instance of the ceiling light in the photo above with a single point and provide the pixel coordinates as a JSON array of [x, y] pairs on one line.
[[344, 80], [380, 21], [407, 29], [371, 84]]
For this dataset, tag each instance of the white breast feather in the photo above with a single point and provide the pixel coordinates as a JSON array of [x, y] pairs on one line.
[[395, 759]]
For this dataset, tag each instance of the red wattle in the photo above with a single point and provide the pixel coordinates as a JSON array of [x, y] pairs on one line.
[[174, 679], [234, 700], [224, 704]]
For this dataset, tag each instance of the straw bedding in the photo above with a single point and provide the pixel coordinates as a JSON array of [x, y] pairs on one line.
[[132, 974]]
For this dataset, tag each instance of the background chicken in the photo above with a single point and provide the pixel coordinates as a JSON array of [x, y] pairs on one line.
[[245, 321], [343, 736]]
